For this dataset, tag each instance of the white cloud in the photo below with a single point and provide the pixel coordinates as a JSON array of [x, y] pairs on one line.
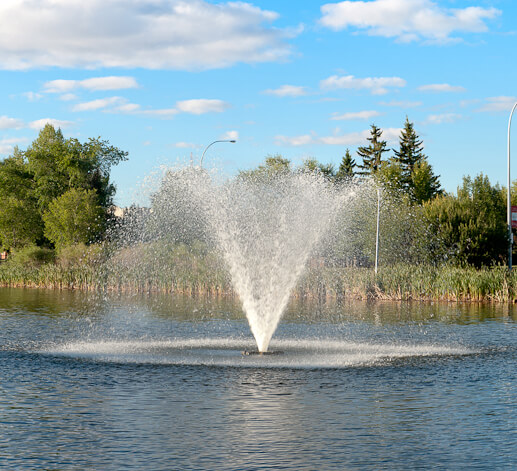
[[441, 87], [355, 115], [40, 123], [230, 136], [443, 118], [499, 104], [117, 104], [7, 145], [101, 103], [159, 113], [295, 141], [287, 90], [68, 97], [201, 106], [153, 34], [359, 138], [401, 104], [406, 20], [376, 85], [93, 84], [11, 123], [32, 96], [185, 145], [347, 139]]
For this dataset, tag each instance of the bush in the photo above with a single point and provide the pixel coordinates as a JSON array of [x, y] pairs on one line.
[[33, 256], [78, 254]]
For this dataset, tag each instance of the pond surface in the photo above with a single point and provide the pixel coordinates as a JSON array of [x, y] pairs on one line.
[[107, 382]]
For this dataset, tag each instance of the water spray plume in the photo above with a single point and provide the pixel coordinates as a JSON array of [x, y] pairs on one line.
[[265, 227]]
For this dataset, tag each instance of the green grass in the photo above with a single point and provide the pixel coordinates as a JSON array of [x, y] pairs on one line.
[[158, 267]]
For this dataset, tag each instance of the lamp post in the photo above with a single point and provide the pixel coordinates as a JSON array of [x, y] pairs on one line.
[[233, 141], [377, 232], [508, 197]]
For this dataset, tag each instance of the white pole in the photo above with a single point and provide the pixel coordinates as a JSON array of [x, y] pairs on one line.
[[377, 234], [508, 197], [233, 141]]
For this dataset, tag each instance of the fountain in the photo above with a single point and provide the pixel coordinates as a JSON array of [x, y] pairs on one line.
[[256, 232], [265, 227]]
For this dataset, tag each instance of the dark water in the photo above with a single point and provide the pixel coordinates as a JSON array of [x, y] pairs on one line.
[[158, 383]]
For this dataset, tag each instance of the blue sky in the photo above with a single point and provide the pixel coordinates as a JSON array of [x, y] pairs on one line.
[[162, 79]]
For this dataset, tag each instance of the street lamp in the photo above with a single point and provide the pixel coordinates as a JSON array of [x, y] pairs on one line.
[[508, 197], [377, 231], [233, 141]]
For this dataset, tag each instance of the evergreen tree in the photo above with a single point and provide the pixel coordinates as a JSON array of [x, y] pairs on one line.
[[417, 177], [346, 170], [372, 154], [424, 183], [411, 151]]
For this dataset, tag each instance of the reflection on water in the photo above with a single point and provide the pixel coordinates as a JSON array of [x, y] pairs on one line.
[[442, 394]]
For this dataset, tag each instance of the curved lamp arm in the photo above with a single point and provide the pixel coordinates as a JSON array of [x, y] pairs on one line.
[[233, 141]]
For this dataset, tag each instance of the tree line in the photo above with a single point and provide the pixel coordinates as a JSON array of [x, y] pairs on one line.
[[421, 223], [57, 193]]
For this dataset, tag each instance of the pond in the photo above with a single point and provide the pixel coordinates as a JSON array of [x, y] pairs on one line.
[[155, 382]]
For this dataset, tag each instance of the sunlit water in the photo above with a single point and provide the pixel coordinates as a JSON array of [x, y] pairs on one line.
[[160, 383]]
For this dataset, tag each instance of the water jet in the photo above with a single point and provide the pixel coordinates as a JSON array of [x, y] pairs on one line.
[[264, 227]]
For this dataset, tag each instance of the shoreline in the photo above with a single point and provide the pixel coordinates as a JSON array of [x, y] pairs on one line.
[[395, 283]]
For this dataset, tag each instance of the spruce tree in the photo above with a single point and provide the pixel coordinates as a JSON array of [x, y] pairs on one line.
[[372, 154], [346, 170], [410, 153], [417, 177], [424, 183]]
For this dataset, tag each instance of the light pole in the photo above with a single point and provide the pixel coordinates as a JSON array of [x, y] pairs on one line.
[[378, 226], [508, 197], [233, 141]]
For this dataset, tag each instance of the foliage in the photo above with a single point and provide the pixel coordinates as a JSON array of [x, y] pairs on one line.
[[79, 254], [346, 172], [424, 184], [33, 256], [20, 220], [410, 153], [416, 174], [372, 154], [469, 228], [273, 165], [58, 164], [74, 217], [313, 166], [31, 180]]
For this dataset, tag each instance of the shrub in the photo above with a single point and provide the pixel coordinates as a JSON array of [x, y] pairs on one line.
[[33, 256]]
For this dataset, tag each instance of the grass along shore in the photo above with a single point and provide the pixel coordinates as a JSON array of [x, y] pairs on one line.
[[195, 275]]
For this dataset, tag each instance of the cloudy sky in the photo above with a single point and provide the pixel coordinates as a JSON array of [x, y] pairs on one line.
[[162, 79]]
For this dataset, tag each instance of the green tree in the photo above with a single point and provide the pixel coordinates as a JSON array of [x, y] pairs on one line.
[[31, 180], [74, 217], [471, 227], [58, 164], [346, 168], [410, 153], [312, 165], [273, 165], [417, 177], [391, 177], [372, 154], [424, 183], [20, 219]]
